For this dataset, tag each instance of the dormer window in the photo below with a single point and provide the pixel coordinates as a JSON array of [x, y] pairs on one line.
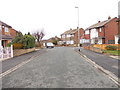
[[6, 29]]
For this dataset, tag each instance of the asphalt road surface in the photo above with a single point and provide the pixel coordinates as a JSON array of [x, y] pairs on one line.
[[12, 62], [59, 67]]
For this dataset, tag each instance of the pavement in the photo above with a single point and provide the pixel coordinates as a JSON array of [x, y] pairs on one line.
[[108, 62], [59, 67], [12, 62], [115, 57]]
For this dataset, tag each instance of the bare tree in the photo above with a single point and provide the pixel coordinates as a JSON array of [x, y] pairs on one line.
[[39, 34]]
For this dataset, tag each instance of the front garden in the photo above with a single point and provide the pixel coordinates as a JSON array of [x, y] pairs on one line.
[[113, 52]]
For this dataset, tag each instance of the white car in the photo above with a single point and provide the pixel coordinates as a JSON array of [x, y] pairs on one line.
[[49, 45]]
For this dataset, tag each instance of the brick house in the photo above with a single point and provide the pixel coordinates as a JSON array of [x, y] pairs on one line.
[[13, 32], [71, 36], [102, 32], [7, 33], [85, 37], [118, 35]]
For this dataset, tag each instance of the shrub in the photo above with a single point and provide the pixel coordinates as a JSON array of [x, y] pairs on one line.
[[54, 42], [8, 45], [17, 46], [110, 47], [26, 41], [18, 38]]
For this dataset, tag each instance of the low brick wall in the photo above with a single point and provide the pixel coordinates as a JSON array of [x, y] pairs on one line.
[[95, 49], [98, 50], [18, 52], [102, 46]]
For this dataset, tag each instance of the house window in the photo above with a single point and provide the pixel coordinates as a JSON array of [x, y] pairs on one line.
[[94, 33], [87, 32], [72, 35], [111, 41], [68, 35], [100, 30], [3, 26], [0, 27], [63, 36], [6, 29]]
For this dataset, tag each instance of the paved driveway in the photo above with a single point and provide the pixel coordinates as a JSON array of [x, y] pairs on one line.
[[60, 67]]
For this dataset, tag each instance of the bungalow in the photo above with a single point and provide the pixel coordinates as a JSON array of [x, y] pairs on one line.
[[102, 32], [7, 33], [71, 36]]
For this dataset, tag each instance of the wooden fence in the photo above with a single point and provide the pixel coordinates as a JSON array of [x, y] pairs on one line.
[[102, 46]]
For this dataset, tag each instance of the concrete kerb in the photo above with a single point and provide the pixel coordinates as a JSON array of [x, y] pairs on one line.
[[112, 76], [14, 68], [5, 59]]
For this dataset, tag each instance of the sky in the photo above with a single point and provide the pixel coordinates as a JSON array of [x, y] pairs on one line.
[[119, 8], [55, 16]]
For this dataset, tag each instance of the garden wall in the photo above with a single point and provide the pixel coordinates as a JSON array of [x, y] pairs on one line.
[[95, 49], [18, 52], [102, 46]]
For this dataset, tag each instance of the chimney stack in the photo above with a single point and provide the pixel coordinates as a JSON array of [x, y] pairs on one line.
[[109, 17], [98, 21]]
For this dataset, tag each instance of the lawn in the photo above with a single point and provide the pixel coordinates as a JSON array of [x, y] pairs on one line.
[[113, 52]]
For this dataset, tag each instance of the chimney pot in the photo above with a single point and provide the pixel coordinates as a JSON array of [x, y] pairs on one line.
[[109, 17]]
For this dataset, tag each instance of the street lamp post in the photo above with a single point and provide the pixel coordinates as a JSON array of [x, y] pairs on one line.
[[78, 28]]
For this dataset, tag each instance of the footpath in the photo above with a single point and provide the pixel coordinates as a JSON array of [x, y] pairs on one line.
[[107, 62], [12, 62]]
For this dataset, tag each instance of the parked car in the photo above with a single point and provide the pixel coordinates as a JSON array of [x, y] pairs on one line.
[[49, 45]]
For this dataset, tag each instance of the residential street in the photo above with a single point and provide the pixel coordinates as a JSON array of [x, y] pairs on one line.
[[59, 67]]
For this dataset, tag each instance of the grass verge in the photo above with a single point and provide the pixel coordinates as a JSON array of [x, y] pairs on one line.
[[113, 52]]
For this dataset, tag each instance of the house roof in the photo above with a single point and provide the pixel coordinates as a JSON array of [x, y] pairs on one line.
[[100, 24], [52, 38], [118, 20], [6, 37], [56, 38], [71, 31], [4, 24]]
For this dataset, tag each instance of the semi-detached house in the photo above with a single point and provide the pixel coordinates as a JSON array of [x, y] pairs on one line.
[[7, 33], [102, 32], [71, 36]]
